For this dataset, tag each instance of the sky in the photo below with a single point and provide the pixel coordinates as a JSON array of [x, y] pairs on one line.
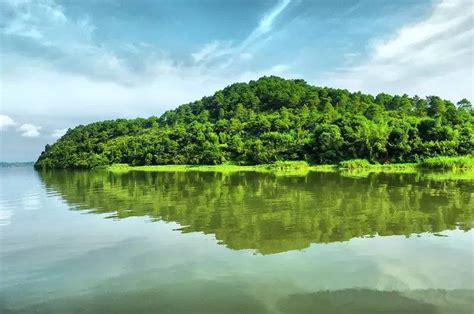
[[65, 63]]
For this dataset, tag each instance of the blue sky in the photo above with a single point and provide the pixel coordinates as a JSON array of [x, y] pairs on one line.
[[65, 63]]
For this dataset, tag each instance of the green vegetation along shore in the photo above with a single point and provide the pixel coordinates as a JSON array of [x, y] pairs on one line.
[[463, 163], [288, 166], [274, 119]]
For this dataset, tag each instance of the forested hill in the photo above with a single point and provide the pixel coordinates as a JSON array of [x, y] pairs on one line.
[[274, 119]]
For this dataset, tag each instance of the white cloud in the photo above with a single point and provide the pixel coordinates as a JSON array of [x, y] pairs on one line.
[[51, 32], [5, 217], [57, 133], [31, 19], [430, 57], [6, 121], [211, 51], [164, 84], [87, 99], [246, 56], [29, 130]]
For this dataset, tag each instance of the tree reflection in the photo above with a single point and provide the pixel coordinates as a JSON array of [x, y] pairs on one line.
[[271, 213]]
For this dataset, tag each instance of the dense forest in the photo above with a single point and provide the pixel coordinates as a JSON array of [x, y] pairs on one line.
[[273, 119]]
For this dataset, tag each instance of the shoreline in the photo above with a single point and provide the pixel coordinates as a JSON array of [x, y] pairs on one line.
[[465, 174], [356, 166], [220, 168]]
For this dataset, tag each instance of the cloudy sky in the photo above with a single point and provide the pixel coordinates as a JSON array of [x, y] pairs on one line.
[[64, 63]]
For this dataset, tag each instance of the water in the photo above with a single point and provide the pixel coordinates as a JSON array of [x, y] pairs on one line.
[[82, 242]]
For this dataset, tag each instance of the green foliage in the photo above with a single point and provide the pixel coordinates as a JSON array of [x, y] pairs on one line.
[[278, 168], [273, 119], [355, 164], [357, 168], [290, 165], [449, 163]]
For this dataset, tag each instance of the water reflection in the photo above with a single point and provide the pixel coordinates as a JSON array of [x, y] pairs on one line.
[[272, 214], [372, 301], [218, 300]]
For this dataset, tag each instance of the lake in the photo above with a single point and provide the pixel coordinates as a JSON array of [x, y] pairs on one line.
[[204, 242]]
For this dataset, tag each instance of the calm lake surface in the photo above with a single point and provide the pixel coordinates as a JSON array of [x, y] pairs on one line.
[[97, 242]]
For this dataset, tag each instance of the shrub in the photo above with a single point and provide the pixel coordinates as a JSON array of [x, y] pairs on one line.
[[289, 165], [448, 163], [355, 164]]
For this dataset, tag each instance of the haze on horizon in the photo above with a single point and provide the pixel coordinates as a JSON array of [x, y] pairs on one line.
[[64, 63]]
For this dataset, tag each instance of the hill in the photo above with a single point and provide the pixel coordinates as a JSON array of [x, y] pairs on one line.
[[274, 119]]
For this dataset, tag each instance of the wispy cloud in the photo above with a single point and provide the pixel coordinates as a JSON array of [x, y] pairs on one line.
[[266, 23], [6, 121], [57, 133], [5, 216], [29, 130], [216, 49], [89, 100], [211, 51], [27, 23], [48, 31], [433, 56]]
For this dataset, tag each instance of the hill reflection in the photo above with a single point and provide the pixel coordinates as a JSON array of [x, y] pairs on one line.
[[272, 214]]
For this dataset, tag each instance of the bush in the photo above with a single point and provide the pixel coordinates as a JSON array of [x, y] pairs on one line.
[[448, 163], [355, 164], [289, 165]]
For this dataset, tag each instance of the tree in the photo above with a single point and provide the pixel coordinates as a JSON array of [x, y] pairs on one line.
[[326, 143]]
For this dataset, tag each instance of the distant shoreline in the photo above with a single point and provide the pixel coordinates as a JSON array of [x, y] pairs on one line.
[[16, 164]]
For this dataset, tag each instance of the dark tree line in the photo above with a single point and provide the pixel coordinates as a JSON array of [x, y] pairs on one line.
[[275, 119]]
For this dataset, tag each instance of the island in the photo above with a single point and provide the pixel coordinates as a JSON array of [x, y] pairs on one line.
[[274, 120]]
